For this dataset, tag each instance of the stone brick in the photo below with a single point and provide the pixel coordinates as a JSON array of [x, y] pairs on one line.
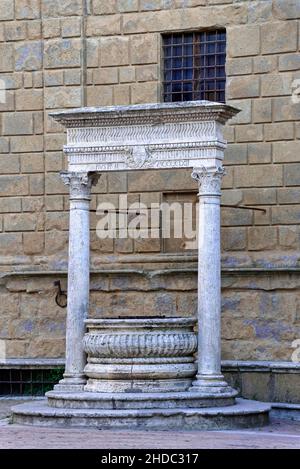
[[27, 145], [10, 243], [233, 239], [54, 184], [37, 184], [242, 87], [288, 196], [29, 56], [9, 104], [289, 62], [10, 204], [53, 161], [56, 241], [117, 182], [7, 10], [57, 221], [15, 31], [236, 154], [259, 196], [276, 85], [114, 51], [259, 153], [33, 243], [144, 93], [259, 12], [53, 8], [103, 25], [100, 95], [243, 41], [9, 164], [54, 77], [144, 49], [148, 244], [243, 117], [289, 237], [62, 53], [121, 95], [20, 222], [285, 110], [54, 203], [286, 9], [27, 9], [289, 214], [4, 145], [235, 217], [33, 204], [32, 163], [258, 176], [127, 74], [249, 133], [72, 77], [62, 97], [92, 52], [105, 76], [54, 142], [284, 152], [292, 174], [71, 27], [34, 29], [104, 8], [51, 28], [279, 37], [264, 64], [262, 110], [19, 123], [29, 100], [148, 4], [147, 73], [279, 131], [239, 66], [232, 197], [161, 181], [6, 58], [14, 185], [262, 237]]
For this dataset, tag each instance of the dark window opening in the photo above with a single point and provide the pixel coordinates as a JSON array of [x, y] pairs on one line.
[[28, 382], [194, 66]]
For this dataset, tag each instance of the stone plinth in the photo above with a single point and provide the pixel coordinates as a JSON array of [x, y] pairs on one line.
[[145, 355]]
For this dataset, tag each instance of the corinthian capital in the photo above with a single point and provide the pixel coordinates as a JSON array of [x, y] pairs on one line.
[[209, 180], [80, 183]]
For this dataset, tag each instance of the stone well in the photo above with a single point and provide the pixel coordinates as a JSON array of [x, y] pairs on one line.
[[142, 373], [140, 355]]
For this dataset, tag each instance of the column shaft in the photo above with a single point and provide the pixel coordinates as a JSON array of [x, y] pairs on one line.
[[78, 278], [209, 379]]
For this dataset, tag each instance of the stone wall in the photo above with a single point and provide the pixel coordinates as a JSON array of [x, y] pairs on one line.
[[62, 54]]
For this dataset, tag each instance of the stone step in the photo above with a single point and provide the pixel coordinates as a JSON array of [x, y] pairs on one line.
[[90, 400], [243, 414]]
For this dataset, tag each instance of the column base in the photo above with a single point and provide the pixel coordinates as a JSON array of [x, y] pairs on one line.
[[212, 385], [71, 383]]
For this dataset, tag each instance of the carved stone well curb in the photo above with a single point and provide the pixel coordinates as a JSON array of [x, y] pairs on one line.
[[140, 354]]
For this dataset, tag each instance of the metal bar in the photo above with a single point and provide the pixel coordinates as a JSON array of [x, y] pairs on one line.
[[244, 207]]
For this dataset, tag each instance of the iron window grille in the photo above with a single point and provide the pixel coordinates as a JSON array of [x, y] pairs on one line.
[[28, 382], [194, 66]]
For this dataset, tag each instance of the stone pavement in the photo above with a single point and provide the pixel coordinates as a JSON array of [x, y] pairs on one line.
[[279, 434]]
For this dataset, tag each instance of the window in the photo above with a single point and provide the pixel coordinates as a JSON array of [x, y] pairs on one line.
[[194, 66]]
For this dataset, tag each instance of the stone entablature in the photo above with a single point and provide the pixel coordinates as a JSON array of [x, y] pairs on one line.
[[150, 136]]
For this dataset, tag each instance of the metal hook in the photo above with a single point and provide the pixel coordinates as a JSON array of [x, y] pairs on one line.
[[61, 296]]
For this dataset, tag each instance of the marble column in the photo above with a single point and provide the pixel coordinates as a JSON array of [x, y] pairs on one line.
[[78, 277], [209, 379]]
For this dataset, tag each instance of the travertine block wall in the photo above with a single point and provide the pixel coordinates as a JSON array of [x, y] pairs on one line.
[[62, 54]]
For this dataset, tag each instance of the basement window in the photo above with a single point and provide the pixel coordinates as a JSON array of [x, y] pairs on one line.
[[194, 66]]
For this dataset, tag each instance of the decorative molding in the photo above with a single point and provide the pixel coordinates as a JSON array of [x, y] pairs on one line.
[[80, 183], [209, 179], [140, 345]]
